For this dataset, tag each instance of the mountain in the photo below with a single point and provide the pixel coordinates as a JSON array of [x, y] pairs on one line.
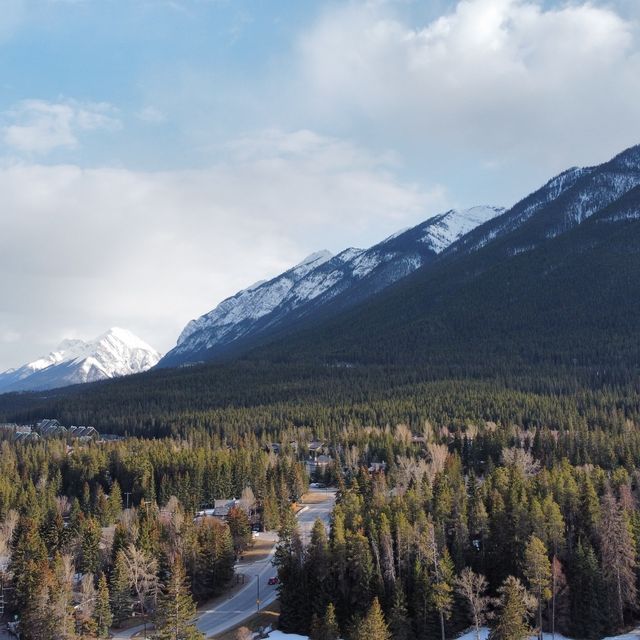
[[531, 318], [115, 353], [305, 290], [562, 203], [553, 281]]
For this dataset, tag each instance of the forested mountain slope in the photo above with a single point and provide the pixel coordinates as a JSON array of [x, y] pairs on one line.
[[571, 296]]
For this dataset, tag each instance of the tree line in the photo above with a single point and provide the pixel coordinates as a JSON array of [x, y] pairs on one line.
[[432, 546]]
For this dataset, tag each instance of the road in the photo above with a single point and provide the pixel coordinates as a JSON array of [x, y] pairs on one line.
[[243, 603]]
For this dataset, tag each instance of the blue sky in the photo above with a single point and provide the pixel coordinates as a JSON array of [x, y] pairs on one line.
[[156, 156]]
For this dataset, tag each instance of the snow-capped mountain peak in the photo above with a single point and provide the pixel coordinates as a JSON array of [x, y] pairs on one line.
[[315, 259], [115, 353], [448, 227]]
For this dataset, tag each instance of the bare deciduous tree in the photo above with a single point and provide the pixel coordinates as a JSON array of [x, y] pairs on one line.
[[618, 555], [403, 434], [438, 454], [87, 604], [521, 459], [142, 575], [6, 531], [243, 634], [473, 588]]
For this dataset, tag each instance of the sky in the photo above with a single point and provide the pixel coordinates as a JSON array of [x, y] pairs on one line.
[[156, 156]]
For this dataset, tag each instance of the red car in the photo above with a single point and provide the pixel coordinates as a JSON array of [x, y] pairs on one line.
[[274, 580]]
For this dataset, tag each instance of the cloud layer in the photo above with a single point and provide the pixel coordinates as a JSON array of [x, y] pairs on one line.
[[82, 250], [504, 78], [365, 116]]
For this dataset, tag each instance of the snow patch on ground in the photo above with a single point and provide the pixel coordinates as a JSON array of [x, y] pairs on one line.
[[471, 635], [484, 634]]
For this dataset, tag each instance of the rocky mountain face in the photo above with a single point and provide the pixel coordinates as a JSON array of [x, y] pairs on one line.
[[116, 353], [306, 290]]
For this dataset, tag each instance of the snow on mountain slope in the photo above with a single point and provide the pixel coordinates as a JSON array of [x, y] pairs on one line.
[[320, 278], [451, 226], [562, 203], [256, 301], [117, 352]]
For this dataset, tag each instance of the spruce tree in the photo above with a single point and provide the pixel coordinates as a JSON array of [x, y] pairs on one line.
[[90, 534], [325, 628], [119, 591], [289, 559], [586, 594], [399, 625], [316, 567], [372, 626], [514, 611], [102, 612], [537, 570], [176, 609]]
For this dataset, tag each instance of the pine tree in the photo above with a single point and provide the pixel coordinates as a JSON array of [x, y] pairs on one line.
[[514, 611], [28, 557], [587, 594], [102, 612], [119, 591], [325, 628], [90, 534], [176, 609], [399, 625], [373, 626], [537, 570], [316, 567]]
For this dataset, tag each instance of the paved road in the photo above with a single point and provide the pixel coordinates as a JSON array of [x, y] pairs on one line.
[[243, 603]]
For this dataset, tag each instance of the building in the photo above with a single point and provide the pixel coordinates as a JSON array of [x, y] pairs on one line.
[[20, 431], [52, 428], [316, 448]]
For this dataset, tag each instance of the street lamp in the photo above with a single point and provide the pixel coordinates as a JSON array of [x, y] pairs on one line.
[[258, 585]]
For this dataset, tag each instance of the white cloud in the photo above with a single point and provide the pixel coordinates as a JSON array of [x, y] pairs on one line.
[[506, 78], [84, 249], [11, 17], [38, 126], [151, 115]]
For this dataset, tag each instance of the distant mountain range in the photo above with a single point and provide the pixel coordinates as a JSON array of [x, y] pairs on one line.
[[306, 290], [553, 282], [115, 353]]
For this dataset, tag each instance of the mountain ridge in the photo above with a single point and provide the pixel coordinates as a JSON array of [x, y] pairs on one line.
[[344, 279], [114, 353]]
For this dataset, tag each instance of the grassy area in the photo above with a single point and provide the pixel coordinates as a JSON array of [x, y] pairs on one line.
[[268, 616], [314, 497], [258, 551]]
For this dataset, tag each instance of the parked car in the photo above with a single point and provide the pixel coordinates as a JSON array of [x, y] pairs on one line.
[[274, 580]]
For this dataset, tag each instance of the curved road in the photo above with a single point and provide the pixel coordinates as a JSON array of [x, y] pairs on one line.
[[243, 603]]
